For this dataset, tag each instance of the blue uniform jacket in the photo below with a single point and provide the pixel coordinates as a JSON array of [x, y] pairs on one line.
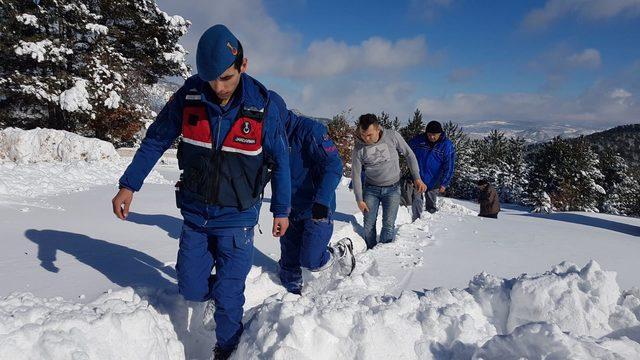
[[168, 126], [316, 167], [436, 161]]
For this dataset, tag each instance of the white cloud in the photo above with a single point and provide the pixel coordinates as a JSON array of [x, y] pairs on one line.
[[326, 98], [602, 105], [588, 58], [621, 96], [328, 75], [274, 51], [330, 57], [591, 10]]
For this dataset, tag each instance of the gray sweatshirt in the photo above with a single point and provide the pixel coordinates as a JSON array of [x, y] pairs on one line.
[[380, 161]]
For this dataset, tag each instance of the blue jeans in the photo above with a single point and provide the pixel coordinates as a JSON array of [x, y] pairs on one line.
[[304, 245], [389, 198], [426, 201], [230, 250]]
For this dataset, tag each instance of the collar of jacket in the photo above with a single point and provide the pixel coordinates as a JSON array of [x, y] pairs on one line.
[[252, 94]]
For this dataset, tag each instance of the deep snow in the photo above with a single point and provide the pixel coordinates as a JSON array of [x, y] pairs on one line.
[[450, 287]]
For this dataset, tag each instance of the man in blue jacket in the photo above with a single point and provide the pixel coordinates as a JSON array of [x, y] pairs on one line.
[[316, 171], [232, 141], [436, 158]]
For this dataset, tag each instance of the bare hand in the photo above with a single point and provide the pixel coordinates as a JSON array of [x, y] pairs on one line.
[[280, 226], [442, 189], [420, 186], [363, 206], [121, 203]]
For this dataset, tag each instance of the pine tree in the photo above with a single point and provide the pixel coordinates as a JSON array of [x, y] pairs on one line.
[[514, 180], [384, 120], [623, 191], [500, 160], [341, 132], [77, 65], [464, 176], [488, 157], [415, 126], [568, 172], [396, 124]]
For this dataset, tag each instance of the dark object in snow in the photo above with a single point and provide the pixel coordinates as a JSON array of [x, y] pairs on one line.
[[222, 354], [488, 199]]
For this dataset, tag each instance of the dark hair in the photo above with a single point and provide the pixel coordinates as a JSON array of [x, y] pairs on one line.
[[482, 182], [237, 63], [366, 120]]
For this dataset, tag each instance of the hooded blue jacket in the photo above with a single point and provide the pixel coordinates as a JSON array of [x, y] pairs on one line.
[[436, 160], [316, 167], [168, 126]]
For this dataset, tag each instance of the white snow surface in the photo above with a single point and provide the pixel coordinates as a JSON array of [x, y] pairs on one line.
[[47, 145], [39, 162], [452, 285], [76, 98], [117, 325]]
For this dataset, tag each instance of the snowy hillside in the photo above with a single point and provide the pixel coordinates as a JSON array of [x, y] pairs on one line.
[[532, 133], [75, 282]]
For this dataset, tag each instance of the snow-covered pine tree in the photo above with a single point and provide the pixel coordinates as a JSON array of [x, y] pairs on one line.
[[501, 161], [384, 120], [463, 184], [396, 124], [514, 179], [489, 155], [415, 126], [568, 172], [341, 132], [76, 65], [623, 191]]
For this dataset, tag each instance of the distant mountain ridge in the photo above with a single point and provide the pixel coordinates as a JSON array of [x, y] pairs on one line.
[[531, 133], [623, 140]]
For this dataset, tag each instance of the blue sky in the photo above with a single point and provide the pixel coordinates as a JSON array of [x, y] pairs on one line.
[[571, 62]]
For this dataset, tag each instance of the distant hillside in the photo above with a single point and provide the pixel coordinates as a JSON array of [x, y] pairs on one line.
[[531, 132], [624, 140]]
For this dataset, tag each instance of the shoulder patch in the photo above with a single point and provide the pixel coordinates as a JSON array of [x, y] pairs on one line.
[[328, 145]]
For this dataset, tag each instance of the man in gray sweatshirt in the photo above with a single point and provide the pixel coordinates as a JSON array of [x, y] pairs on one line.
[[376, 152]]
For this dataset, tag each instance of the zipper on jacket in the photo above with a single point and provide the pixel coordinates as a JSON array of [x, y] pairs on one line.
[[216, 165]]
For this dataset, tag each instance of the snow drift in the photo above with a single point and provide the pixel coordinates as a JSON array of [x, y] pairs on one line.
[[47, 145], [117, 325], [569, 312], [43, 162]]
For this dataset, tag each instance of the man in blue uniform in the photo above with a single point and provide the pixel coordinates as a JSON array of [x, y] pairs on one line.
[[316, 171], [233, 141], [436, 159]]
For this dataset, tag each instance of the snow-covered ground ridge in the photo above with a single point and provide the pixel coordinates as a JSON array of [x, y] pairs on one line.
[[568, 312], [44, 162]]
